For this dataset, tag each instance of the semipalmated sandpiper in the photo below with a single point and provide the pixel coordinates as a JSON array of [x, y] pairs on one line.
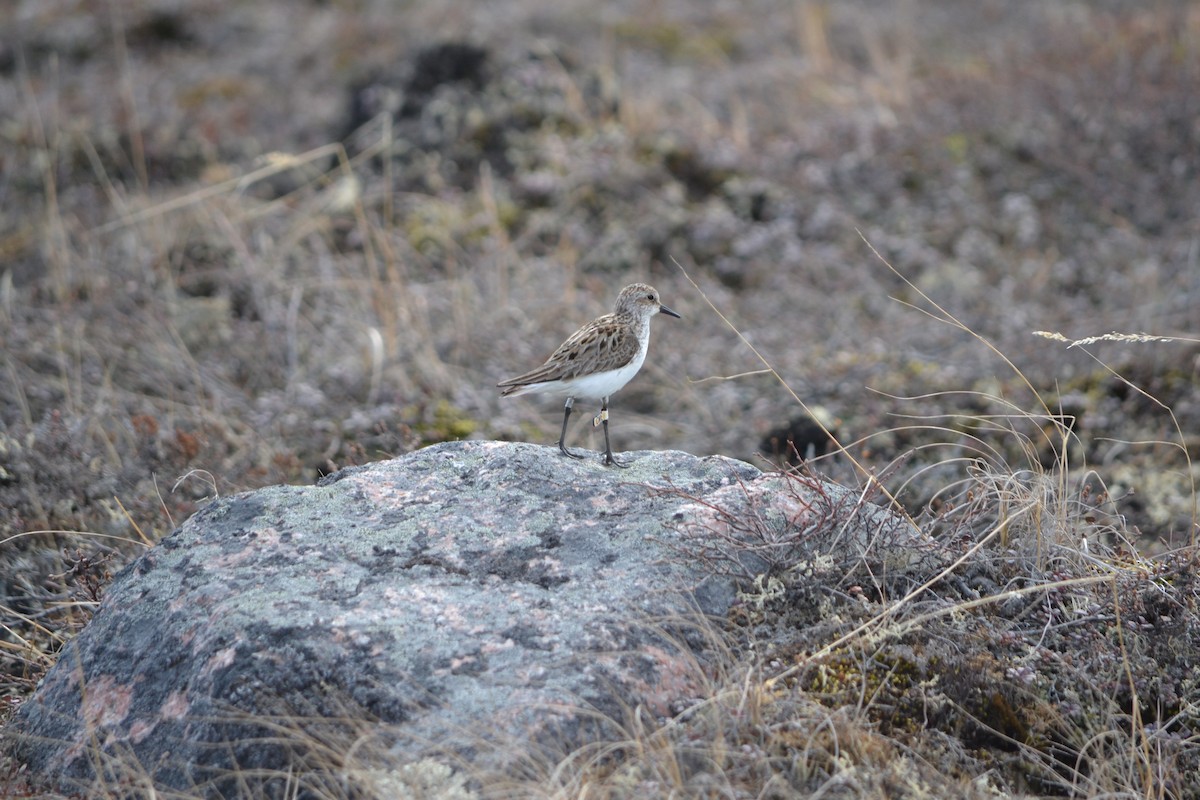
[[597, 360]]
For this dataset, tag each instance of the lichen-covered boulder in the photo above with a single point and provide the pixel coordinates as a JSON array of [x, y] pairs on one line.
[[462, 593]]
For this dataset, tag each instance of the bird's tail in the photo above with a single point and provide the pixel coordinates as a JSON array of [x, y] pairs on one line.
[[514, 391]]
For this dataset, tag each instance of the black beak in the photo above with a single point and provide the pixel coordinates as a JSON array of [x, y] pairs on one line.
[[668, 311]]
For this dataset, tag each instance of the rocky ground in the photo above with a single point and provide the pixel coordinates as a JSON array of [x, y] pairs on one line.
[[247, 244]]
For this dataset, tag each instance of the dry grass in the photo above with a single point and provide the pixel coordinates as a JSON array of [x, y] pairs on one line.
[[203, 291], [874, 700]]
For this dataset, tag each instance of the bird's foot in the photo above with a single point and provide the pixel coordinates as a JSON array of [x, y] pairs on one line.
[[611, 461], [563, 448]]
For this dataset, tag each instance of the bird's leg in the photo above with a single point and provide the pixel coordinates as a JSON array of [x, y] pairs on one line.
[[562, 438], [602, 417]]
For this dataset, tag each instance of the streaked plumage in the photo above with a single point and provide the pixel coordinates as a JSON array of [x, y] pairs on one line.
[[597, 360]]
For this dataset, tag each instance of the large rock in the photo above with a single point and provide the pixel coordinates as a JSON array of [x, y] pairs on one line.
[[465, 593]]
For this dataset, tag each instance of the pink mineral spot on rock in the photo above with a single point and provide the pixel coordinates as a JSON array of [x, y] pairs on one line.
[[220, 660], [105, 702], [265, 538], [140, 729], [175, 706], [491, 648]]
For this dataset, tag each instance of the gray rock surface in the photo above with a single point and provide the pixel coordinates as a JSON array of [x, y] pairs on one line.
[[461, 594]]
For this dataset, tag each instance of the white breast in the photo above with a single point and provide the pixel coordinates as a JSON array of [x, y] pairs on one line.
[[602, 384], [598, 385]]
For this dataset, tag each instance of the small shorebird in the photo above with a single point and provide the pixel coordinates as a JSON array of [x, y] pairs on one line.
[[597, 360]]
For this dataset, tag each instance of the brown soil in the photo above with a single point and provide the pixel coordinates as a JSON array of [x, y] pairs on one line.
[[245, 244]]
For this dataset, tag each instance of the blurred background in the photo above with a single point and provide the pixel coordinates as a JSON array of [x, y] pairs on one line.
[[245, 244]]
